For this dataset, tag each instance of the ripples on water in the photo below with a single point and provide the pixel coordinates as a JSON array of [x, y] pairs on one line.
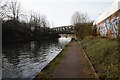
[[25, 60]]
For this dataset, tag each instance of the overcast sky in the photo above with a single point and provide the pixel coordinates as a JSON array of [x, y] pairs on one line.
[[59, 12]]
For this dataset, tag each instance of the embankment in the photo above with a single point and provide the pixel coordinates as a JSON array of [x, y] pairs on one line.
[[103, 54]]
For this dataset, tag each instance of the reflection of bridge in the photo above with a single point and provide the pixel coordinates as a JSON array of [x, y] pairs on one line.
[[63, 30]]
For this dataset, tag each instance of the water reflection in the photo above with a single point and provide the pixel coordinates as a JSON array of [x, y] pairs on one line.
[[25, 60]]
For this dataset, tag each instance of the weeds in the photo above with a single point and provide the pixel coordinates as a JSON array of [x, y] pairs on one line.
[[103, 54]]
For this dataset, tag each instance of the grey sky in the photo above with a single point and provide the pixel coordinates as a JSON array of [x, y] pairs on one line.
[[59, 12]]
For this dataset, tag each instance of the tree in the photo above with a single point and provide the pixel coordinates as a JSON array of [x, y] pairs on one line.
[[78, 18], [35, 21], [44, 22], [79, 21], [14, 10], [3, 10], [39, 25], [38, 21]]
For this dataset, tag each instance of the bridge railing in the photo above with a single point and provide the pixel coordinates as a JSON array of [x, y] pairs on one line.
[[63, 30]]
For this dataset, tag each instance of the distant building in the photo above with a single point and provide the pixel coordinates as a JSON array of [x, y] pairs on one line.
[[108, 22]]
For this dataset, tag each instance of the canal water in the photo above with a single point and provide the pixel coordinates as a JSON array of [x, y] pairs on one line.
[[25, 60]]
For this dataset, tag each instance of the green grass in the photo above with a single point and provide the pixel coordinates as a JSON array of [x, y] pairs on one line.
[[103, 54], [48, 71]]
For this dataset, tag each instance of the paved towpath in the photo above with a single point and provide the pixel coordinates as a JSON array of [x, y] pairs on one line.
[[75, 64]]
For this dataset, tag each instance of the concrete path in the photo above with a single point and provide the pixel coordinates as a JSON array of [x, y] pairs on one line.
[[75, 64]]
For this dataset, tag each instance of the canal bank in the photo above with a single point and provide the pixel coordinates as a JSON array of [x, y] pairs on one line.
[[26, 59], [70, 63], [47, 72]]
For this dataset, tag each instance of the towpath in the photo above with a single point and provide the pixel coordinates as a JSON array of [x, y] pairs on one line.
[[75, 64]]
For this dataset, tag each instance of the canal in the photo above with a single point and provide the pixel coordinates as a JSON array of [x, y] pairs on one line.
[[26, 59]]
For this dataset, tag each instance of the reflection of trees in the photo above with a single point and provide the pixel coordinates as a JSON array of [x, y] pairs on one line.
[[23, 54], [39, 49], [34, 50], [12, 51], [20, 55], [12, 55], [37, 52]]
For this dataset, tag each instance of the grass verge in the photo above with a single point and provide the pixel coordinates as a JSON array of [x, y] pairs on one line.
[[103, 54], [48, 71]]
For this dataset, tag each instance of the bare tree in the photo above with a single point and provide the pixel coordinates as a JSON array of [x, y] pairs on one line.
[[78, 18], [37, 21], [3, 9], [44, 21], [45, 24], [24, 17], [78, 21], [14, 10]]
